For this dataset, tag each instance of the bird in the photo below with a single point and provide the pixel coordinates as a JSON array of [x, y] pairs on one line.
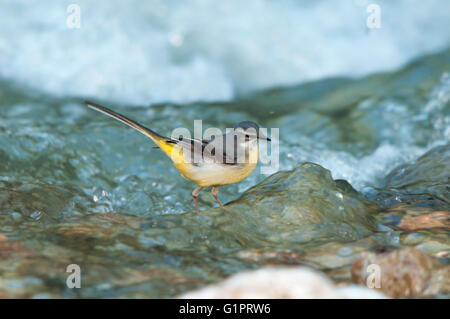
[[220, 160]]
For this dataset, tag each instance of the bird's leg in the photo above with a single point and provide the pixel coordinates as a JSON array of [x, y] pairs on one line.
[[194, 196], [215, 191]]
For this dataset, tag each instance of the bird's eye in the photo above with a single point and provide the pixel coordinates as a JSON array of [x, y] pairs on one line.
[[247, 137]]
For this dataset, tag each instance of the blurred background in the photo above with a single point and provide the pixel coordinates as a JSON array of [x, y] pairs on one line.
[[77, 186], [167, 51]]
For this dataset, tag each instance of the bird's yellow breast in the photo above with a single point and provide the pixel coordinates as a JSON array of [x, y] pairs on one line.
[[216, 174]]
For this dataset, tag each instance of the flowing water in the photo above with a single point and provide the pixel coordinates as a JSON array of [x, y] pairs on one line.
[[77, 187]]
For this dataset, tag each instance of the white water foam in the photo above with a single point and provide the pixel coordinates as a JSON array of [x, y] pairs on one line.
[[153, 51], [397, 145]]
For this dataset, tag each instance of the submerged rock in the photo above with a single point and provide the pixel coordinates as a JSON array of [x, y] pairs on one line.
[[306, 204], [438, 219], [415, 202], [425, 182], [271, 257], [406, 272], [9, 249], [286, 283]]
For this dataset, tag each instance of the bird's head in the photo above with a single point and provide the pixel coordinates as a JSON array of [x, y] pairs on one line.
[[249, 131]]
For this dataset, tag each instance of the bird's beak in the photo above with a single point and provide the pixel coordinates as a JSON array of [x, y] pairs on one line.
[[262, 137]]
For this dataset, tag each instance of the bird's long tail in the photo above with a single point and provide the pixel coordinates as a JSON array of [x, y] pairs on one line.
[[160, 140]]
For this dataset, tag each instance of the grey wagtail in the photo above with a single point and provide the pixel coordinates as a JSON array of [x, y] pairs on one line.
[[223, 160]]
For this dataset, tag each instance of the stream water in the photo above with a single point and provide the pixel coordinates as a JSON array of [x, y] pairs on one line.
[[77, 187]]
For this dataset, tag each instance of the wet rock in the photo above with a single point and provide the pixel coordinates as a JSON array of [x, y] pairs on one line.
[[420, 227], [94, 230], [19, 287], [271, 257], [291, 207], [10, 249], [435, 244], [101, 225], [439, 219], [32, 199], [306, 204], [168, 276], [424, 182], [406, 272], [286, 283], [332, 255], [334, 258]]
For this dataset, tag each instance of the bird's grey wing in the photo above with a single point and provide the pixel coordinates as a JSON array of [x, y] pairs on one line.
[[215, 149], [192, 147], [223, 149]]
